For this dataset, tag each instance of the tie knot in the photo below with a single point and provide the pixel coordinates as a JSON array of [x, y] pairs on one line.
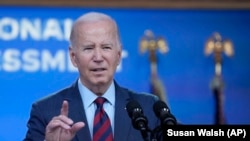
[[99, 101]]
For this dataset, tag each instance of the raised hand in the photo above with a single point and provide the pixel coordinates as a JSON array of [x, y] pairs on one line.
[[62, 128]]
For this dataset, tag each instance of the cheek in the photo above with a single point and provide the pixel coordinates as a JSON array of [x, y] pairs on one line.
[[77, 60], [81, 61]]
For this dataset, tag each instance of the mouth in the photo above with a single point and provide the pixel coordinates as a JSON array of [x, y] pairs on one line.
[[98, 69]]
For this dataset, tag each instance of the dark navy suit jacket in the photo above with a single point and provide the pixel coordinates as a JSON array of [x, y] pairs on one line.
[[45, 109]]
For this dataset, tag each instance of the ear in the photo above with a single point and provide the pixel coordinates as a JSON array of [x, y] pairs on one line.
[[72, 56], [119, 56]]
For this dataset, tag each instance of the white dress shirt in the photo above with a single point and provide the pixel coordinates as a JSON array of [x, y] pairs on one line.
[[88, 98]]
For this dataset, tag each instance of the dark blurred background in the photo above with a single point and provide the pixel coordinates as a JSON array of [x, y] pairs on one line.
[[34, 60]]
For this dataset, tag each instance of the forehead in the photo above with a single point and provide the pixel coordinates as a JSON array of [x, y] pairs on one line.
[[92, 25], [100, 30], [95, 31]]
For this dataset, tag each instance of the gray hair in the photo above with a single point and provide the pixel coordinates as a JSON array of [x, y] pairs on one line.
[[93, 17]]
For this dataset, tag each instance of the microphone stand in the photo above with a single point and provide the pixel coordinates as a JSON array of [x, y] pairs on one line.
[[156, 134], [144, 134], [142, 127], [160, 132]]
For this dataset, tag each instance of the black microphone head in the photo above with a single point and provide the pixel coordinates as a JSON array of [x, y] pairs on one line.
[[159, 106], [135, 112], [162, 111], [131, 106]]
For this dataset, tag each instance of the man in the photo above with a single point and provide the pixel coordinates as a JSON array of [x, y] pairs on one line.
[[69, 114]]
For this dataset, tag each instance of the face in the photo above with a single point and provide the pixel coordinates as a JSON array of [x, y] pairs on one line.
[[96, 53]]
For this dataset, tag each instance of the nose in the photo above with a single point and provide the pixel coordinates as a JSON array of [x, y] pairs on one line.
[[97, 55]]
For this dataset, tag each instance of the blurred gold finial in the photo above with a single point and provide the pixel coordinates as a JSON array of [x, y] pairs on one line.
[[149, 42], [215, 44], [152, 43]]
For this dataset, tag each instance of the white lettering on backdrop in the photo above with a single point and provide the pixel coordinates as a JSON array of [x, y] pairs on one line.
[[35, 29]]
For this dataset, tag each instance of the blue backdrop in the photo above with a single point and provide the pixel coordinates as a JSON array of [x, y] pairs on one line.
[[34, 60]]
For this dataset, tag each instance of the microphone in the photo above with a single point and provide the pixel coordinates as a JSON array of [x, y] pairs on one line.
[[139, 121], [135, 112], [162, 111]]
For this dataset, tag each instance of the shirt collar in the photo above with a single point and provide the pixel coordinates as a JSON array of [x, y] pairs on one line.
[[88, 96]]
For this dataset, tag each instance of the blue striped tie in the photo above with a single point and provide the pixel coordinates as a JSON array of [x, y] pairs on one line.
[[102, 130]]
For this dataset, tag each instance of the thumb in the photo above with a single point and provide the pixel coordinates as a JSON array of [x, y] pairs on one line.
[[76, 127]]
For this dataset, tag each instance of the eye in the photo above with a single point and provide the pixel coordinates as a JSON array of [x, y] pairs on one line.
[[106, 47], [87, 48]]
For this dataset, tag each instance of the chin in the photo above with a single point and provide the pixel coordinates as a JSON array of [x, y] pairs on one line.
[[100, 82]]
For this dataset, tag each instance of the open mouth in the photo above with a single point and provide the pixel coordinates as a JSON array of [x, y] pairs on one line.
[[98, 69]]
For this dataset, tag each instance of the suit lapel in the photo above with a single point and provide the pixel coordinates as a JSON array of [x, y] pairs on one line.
[[76, 112], [122, 120]]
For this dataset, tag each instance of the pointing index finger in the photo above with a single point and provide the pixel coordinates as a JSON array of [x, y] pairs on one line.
[[65, 108]]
